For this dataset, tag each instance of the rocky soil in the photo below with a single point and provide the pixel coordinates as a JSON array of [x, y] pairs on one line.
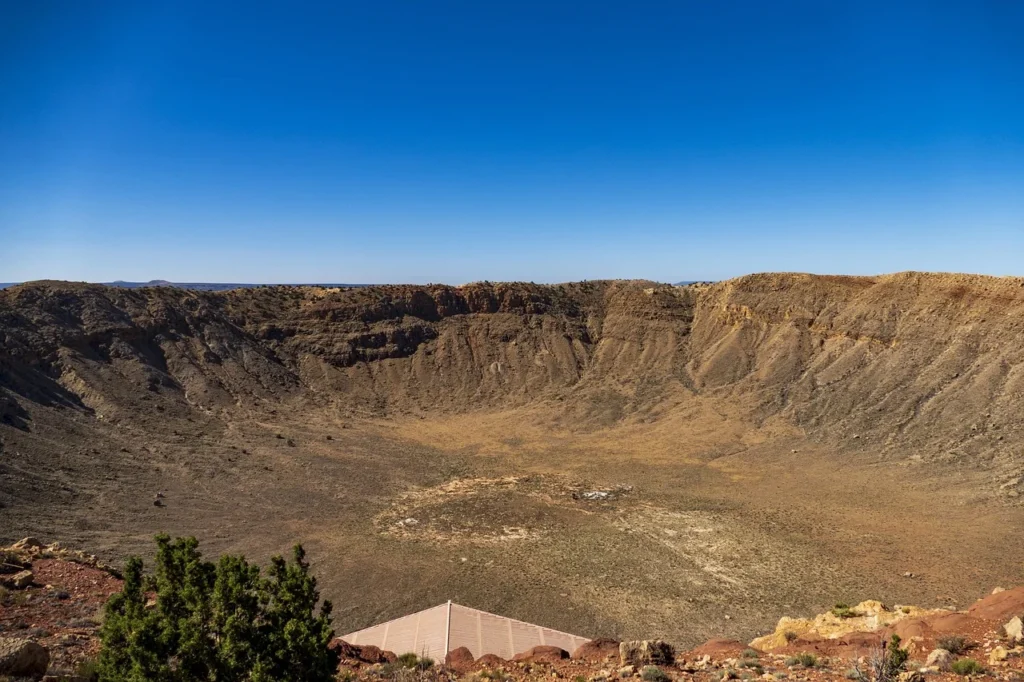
[[58, 611]]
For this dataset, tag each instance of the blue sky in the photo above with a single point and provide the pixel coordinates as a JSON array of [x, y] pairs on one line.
[[456, 141]]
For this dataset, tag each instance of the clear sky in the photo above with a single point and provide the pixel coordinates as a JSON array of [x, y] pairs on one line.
[[379, 141]]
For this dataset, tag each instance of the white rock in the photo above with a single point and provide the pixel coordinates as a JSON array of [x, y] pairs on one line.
[[1014, 630], [939, 658]]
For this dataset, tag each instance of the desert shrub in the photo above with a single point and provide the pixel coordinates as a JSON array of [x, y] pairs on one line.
[[749, 653], [967, 666], [407, 660], [888, 661], [791, 636], [414, 662], [223, 621], [652, 673], [88, 669], [805, 659], [954, 644], [842, 610], [751, 665]]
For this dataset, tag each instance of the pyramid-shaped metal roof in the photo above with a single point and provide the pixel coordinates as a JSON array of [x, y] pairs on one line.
[[435, 631]]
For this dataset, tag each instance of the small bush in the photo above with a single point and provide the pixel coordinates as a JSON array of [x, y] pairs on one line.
[[413, 662], [842, 610], [967, 666], [954, 644], [652, 673], [888, 661], [88, 669], [751, 664], [808, 660], [791, 636], [749, 653], [407, 660], [805, 659]]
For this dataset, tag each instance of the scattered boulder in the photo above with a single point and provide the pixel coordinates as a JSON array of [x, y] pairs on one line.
[[490, 661], [627, 671], [910, 676], [345, 650], [1014, 630], [542, 654], [939, 659], [18, 581], [998, 655], [460, 660], [596, 650], [27, 544], [23, 658], [646, 652], [11, 562], [363, 654]]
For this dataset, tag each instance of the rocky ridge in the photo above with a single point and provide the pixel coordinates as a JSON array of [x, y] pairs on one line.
[[915, 365]]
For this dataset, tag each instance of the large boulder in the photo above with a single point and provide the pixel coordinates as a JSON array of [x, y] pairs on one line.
[[460, 660], [374, 654], [939, 659], [345, 651], [490, 661], [17, 581], [361, 654], [28, 543], [11, 562], [542, 654], [23, 658], [597, 650], [1014, 630], [646, 652]]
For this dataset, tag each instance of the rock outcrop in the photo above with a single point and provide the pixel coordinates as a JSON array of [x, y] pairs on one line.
[[23, 658], [646, 652], [866, 616]]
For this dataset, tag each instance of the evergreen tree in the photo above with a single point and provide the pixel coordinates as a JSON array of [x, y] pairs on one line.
[[216, 623]]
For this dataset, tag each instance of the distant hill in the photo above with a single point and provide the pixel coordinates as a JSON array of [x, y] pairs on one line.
[[218, 286], [201, 286]]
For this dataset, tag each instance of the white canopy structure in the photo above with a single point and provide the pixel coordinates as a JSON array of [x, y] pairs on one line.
[[436, 631]]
